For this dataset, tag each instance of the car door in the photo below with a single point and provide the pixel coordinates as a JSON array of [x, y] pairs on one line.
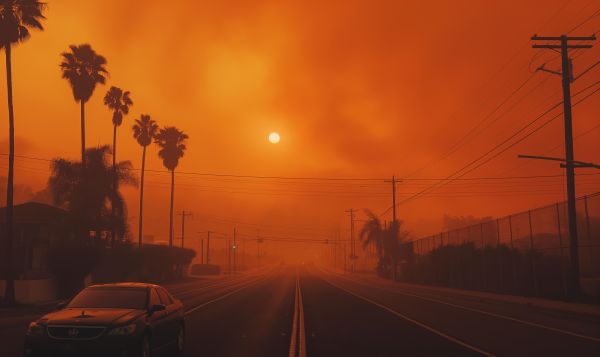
[[158, 321], [172, 318]]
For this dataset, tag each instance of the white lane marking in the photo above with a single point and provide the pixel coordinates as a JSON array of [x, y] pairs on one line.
[[302, 349], [294, 338], [420, 324], [222, 296], [554, 329]]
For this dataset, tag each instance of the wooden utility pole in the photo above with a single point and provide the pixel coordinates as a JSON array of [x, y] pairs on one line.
[[393, 182], [352, 243], [234, 247], [208, 247], [183, 214], [562, 44], [228, 242], [201, 251]]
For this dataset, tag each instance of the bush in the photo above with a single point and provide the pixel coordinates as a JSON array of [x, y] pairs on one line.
[[150, 263], [70, 260], [205, 269], [498, 269]]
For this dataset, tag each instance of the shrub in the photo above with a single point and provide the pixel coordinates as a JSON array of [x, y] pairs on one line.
[[498, 269]]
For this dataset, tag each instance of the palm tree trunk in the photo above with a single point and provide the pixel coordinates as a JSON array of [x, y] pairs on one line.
[[113, 233], [83, 133], [141, 197], [114, 156], [9, 294], [171, 210]]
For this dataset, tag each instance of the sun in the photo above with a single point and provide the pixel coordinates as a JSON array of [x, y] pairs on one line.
[[274, 138]]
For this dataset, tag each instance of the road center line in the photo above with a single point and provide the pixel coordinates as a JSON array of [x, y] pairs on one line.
[[298, 338], [294, 335], [504, 317], [420, 324], [223, 296], [302, 348]]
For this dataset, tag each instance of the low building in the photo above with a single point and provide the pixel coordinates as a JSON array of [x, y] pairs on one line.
[[36, 227]]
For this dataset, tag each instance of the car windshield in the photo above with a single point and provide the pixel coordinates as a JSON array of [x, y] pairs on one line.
[[123, 298]]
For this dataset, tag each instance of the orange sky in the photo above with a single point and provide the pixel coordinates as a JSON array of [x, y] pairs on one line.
[[355, 88]]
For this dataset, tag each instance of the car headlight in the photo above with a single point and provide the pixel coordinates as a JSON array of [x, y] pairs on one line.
[[122, 330], [35, 329]]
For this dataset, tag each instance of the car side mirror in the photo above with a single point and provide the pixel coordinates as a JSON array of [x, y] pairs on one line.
[[61, 305], [156, 308]]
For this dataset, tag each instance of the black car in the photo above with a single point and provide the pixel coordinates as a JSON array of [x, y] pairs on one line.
[[124, 319]]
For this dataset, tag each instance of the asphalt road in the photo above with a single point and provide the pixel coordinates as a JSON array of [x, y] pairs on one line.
[[305, 311]]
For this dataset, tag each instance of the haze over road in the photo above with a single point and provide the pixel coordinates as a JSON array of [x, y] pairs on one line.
[[322, 313]]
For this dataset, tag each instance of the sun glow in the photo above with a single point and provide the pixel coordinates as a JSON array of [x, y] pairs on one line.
[[274, 138]]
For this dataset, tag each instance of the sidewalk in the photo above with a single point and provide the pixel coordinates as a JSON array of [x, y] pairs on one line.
[[546, 304]]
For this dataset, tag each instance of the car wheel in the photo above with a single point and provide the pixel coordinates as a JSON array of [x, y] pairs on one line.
[[180, 341], [145, 347]]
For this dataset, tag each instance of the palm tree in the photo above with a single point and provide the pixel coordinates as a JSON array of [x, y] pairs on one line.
[[387, 241], [172, 147], [84, 69], [16, 18], [372, 233], [144, 131], [119, 102], [88, 191]]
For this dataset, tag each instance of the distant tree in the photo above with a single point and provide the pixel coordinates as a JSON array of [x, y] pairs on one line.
[[394, 237], [88, 191], [373, 233], [16, 18], [83, 68], [144, 131], [172, 143], [118, 102], [454, 222], [387, 241]]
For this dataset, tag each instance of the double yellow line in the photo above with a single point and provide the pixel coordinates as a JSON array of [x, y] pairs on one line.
[[298, 339]]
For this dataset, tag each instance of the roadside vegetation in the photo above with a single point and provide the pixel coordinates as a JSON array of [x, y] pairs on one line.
[[99, 239]]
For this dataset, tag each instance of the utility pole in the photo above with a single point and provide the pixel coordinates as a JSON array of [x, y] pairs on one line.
[[345, 257], [201, 251], [562, 43], [183, 214], [243, 254], [393, 182], [229, 255], [258, 241], [234, 247], [352, 243], [208, 247]]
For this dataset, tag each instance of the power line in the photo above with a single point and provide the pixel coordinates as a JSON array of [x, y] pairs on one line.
[[458, 172]]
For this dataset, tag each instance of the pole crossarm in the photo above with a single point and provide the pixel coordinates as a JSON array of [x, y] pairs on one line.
[[559, 46], [560, 38], [575, 163]]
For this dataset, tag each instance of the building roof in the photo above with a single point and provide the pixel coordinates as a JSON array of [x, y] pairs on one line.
[[34, 212], [124, 285]]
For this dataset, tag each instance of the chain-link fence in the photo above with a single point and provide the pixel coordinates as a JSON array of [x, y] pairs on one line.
[[525, 253]]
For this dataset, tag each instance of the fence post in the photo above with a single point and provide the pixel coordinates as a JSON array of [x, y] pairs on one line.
[[483, 274], [499, 273], [562, 258], [498, 231], [532, 253], [589, 234], [512, 253]]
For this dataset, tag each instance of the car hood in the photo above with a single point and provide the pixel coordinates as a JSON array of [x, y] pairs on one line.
[[103, 317]]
